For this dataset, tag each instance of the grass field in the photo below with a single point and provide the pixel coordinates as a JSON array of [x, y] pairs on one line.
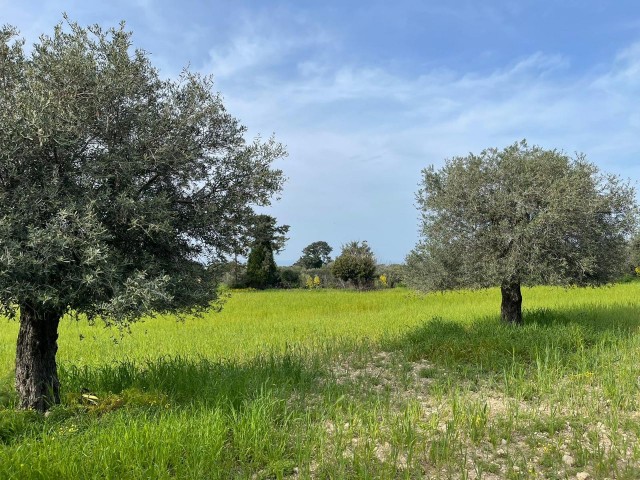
[[341, 384]]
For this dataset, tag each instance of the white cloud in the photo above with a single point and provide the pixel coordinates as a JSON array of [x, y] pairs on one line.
[[359, 133], [260, 44], [359, 136]]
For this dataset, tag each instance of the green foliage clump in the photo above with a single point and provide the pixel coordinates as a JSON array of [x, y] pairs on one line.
[[394, 274], [356, 265], [324, 274], [233, 274], [289, 277], [264, 229], [268, 237], [634, 253], [298, 277], [262, 271], [315, 255]]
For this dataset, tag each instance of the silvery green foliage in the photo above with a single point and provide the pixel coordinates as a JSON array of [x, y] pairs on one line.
[[116, 185], [520, 215]]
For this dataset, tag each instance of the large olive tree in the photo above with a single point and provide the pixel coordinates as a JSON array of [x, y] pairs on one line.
[[521, 215], [116, 188]]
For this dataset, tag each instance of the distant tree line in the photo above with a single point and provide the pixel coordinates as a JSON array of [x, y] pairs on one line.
[[355, 267]]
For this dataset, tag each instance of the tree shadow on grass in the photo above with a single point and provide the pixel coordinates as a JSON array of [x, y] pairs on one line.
[[183, 380], [567, 335]]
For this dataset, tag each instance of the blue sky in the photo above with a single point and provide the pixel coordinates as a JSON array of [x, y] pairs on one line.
[[366, 94]]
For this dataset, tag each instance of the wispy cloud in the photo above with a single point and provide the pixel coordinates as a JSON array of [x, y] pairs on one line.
[[365, 97], [260, 44], [359, 136]]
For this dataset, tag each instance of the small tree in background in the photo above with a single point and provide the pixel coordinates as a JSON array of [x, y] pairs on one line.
[[268, 238], [522, 215], [265, 230], [315, 255], [356, 265], [262, 271]]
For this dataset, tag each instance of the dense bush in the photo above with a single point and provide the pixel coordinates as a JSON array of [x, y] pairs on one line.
[[327, 280], [289, 277], [356, 265], [393, 274]]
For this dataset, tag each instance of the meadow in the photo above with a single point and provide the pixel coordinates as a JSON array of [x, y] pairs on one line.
[[334, 384]]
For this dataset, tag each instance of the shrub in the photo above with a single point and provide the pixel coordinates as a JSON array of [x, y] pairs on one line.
[[327, 280], [356, 265], [394, 274], [289, 277]]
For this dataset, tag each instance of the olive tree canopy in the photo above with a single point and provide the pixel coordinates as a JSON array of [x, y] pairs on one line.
[[116, 188], [521, 215]]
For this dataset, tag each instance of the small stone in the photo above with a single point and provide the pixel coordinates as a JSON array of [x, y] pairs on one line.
[[516, 468], [296, 470], [568, 460], [503, 441], [47, 413], [582, 476], [500, 452]]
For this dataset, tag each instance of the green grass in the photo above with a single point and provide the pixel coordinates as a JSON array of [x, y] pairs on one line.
[[341, 384]]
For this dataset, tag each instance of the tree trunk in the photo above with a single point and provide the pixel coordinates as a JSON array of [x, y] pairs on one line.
[[36, 371], [511, 308]]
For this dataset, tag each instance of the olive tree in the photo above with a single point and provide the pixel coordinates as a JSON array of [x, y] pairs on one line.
[[117, 188], [521, 215]]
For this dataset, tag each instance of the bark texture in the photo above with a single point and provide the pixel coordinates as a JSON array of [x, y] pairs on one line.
[[511, 307], [36, 370]]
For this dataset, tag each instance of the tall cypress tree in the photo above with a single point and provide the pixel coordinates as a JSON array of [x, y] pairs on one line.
[[268, 238]]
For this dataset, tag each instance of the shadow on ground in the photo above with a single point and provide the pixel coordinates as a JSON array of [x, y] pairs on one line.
[[566, 338], [194, 381], [568, 335]]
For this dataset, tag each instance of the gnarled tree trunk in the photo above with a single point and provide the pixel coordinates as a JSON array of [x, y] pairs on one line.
[[36, 371], [511, 307]]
